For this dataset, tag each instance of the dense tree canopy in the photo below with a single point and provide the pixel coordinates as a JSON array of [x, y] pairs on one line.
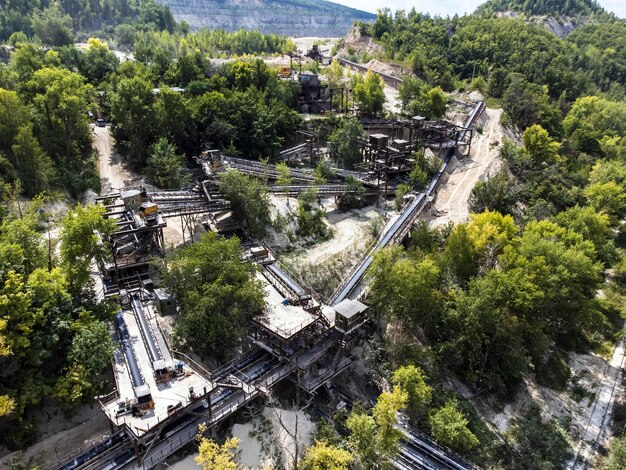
[[218, 294]]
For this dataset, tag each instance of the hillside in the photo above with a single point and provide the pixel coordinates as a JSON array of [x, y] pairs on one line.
[[562, 17], [290, 17], [571, 8]]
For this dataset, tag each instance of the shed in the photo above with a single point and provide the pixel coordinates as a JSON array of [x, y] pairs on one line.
[[132, 199], [165, 302], [349, 314], [379, 140], [144, 397]]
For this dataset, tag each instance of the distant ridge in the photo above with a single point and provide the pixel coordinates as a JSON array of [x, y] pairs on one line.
[[290, 17], [555, 8]]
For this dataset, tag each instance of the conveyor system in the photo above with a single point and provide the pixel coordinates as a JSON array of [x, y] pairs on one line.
[[146, 331], [400, 225], [288, 281], [131, 360]]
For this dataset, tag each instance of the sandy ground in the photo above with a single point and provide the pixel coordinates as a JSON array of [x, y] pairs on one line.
[[257, 447], [392, 105], [60, 435], [595, 434], [305, 43], [349, 229], [113, 174], [451, 203]]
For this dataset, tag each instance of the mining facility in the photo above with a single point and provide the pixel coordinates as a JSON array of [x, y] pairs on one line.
[[162, 395]]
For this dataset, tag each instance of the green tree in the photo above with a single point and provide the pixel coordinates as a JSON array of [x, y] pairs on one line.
[[173, 119], [369, 95], [132, 113], [53, 27], [374, 439], [83, 232], [539, 145], [218, 294], [22, 233], [322, 456], [165, 167], [460, 255], [284, 174], [249, 201], [412, 381], [617, 454], [404, 289], [593, 226], [34, 168], [607, 198], [60, 98], [7, 404], [91, 347], [213, 456], [347, 141], [98, 61], [438, 102], [496, 193], [448, 426], [350, 198]]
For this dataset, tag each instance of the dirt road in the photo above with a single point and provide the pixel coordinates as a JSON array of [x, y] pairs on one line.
[[595, 434], [451, 203], [113, 174]]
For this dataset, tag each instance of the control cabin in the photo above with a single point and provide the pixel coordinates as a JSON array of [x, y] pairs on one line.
[[349, 315], [165, 302]]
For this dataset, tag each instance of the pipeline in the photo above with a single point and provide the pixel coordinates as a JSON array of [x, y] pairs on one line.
[[131, 360]]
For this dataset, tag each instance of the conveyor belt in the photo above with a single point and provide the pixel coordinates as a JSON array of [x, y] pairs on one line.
[[131, 360], [407, 216], [146, 331], [288, 281]]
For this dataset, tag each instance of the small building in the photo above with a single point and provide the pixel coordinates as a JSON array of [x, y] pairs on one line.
[[349, 315], [144, 397], [165, 302], [132, 199], [379, 140]]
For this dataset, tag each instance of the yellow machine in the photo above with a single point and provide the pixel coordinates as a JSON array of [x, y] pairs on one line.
[[147, 209], [285, 72]]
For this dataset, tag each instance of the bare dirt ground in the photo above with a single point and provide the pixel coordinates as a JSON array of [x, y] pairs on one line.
[[582, 406], [61, 434], [114, 175], [359, 44], [321, 266], [325, 44], [606, 387], [349, 229], [452, 201], [390, 69]]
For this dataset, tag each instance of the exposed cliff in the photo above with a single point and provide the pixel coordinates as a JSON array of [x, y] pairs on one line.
[[290, 17]]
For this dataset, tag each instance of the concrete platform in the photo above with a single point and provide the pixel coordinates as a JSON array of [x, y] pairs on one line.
[[172, 393], [282, 320]]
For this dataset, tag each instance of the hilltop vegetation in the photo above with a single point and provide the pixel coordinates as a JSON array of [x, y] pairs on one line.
[[53, 21], [571, 8]]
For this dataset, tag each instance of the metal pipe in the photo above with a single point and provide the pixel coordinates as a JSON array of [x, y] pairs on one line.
[[146, 331], [131, 360]]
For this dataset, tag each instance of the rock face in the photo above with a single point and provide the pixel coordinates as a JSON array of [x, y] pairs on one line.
[[560, 26], [289, 17]]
